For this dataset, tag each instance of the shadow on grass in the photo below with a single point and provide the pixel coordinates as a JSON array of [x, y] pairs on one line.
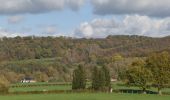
[[135, 91]]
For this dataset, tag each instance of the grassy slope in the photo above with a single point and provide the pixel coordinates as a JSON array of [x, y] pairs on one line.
[[82, 96]]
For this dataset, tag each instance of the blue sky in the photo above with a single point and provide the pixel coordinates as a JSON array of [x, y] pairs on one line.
[[84, 18], [64, 21]]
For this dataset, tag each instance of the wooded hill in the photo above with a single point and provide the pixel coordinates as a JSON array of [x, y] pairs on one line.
[[75, 50], [54, 58]]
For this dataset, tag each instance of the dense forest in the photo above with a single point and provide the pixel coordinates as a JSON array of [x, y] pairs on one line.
[[55, 58]]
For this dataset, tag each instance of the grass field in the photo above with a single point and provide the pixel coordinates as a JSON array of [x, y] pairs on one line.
[[78, 96], [42, 87], [85, 96]]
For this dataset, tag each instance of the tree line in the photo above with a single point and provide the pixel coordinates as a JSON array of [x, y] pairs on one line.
[[100, 79], [76, 50], [154, 71]]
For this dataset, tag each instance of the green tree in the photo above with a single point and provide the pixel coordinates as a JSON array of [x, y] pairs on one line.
[[79, 78], [138, 75], [159, 65], [41, 77], [95, 79], [101, 79], [117, 57], [107, 76]]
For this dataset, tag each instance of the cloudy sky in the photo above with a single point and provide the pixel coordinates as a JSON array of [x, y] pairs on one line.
[[84, 18]]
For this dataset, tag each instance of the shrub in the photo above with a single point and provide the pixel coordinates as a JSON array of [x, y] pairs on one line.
[[4, 85]]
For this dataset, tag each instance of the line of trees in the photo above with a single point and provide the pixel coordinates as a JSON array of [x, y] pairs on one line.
[[154, 71], [101, 80]]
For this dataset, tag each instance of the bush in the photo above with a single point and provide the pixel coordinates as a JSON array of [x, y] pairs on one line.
[[4, 85]]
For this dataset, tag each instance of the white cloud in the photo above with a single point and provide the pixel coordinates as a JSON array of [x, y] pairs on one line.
[[50, 30], [7, 33], [99, 28], [130, 25], [85, 29], [15, 19], [158, 8], [37, 6]]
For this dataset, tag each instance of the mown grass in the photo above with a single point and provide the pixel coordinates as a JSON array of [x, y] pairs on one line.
[[79, 96], [85, 96], [27, 87], [40, 88]]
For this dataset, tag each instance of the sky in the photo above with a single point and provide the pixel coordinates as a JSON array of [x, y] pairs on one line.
[[84, 18]]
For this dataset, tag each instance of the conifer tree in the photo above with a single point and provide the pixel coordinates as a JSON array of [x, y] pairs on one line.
[[95, 79], [101, 79], [79, 78], [107, 76]]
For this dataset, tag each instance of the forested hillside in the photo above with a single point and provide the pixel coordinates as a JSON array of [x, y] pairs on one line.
[[54, 58], [79, 49]]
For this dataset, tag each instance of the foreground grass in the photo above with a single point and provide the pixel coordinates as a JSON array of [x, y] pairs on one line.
[[85, 96]]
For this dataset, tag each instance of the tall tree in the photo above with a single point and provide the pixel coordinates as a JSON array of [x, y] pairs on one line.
[[107, 76], [101, 79], [95, 79], [79, 78], [138, 75], [159, 64]]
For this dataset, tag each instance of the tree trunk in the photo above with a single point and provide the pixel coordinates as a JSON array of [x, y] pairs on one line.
[[111, 90], [159, 91], [144, 90]]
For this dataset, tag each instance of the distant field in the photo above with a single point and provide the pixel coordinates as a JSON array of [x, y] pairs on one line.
[[40, 88], [78, 96], [85, 96], [45, 61], [27, 87]]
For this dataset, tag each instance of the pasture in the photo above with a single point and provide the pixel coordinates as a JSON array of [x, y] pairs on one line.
[[28, 87], [77, 96], [40, 88]]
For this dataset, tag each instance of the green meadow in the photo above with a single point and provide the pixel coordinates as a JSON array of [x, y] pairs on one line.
[[27, 87], [40, 88]]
